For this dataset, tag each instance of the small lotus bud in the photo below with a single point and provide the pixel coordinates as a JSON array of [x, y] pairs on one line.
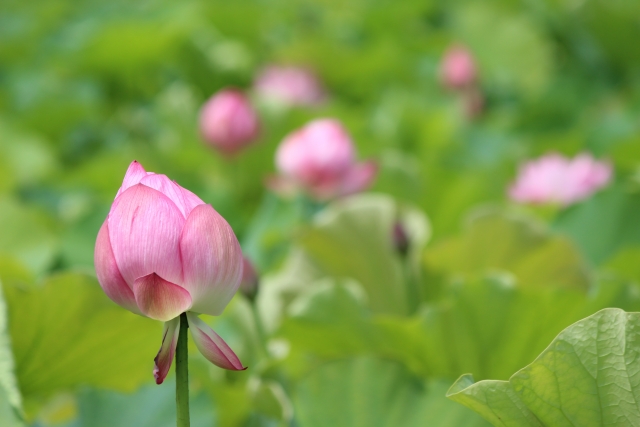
[[228, 121], [400, 239], [250, 283], [458, 68], [289, 86]]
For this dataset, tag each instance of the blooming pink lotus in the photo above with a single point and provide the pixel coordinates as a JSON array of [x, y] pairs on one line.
[[458, 68], [320, 159], [557, 179], [289, 85], [228, 121], [161, 252]]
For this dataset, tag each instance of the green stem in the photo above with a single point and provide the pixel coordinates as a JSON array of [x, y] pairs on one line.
[[182, 374], [262, 336]]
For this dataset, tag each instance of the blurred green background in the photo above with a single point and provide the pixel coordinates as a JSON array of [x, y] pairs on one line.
[[345, 331]]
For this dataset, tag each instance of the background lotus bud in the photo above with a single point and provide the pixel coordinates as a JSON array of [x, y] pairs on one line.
[[458, 68], [228, 121], [290, 86], [555, 179], [400, 239], [249, 283], [161, 252], [320, 158]]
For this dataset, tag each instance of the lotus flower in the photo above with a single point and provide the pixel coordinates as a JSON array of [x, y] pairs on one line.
[[458, 68], [290, 86], [228, 121], [320, 159], [161, 252], [554, 179]]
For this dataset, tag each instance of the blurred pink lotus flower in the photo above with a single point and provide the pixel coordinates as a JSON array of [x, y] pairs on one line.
[[458, 68], [320, 159], [554, 179], [161, 252], [228, 121], [249, 283], [288, 85]]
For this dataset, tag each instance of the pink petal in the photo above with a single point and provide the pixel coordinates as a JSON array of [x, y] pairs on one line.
[[160, 299], [212, 260], [108, 274], [144, 229], [164, 358], [359, 178], [184, 199], [134, 174], [212, 347]]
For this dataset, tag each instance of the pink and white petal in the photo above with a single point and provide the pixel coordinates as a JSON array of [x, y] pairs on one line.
[[212, 347], [167, 351], [359, 178], [160, 299], [178, 195], [190, 200], [108, 274], [134, 174], [144, 229], [211, 260]]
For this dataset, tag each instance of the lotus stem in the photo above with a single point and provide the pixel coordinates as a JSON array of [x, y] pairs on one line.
[[182, 374]]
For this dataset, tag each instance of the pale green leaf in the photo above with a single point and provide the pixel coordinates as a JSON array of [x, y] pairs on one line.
[[495, 242], [588, 376], [67, 333], [369, 392]]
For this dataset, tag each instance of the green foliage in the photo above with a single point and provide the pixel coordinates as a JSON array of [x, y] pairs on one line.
[[495, 243], [66, 333], [10, 397], [372, 392], [354, 332], [587, 376], [489, 327]]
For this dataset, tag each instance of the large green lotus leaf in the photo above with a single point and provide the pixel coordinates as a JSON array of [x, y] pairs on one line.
[[498, 242], [66, 332], [26, 235], [611, 218], [369, 392], [588, 376], [353, 238], [490, 327], [10, 397]]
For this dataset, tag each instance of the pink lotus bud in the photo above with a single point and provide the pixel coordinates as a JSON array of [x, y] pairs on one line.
[[250, 282], [458, 68], [228, 121], [161, 252], [556, 179], [290, 86], [400, 239], [320, 158]]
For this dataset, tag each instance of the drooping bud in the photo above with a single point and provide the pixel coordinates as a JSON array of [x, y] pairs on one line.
[[228, 121], [458, 68], [250, 282], [400, 239]]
